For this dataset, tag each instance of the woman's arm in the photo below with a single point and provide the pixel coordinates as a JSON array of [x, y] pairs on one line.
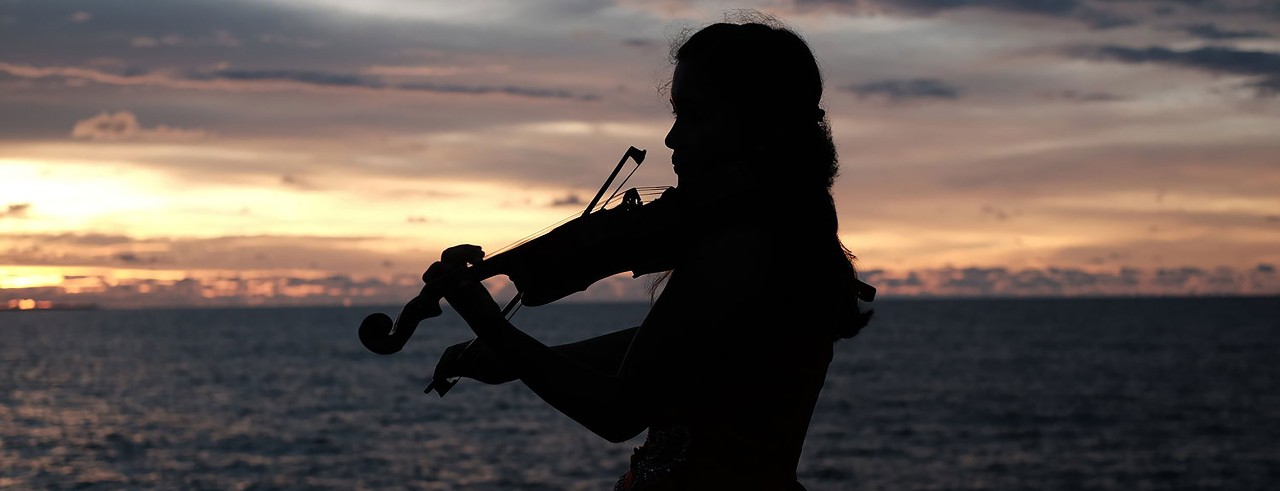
[[599, 400], [476, 360]]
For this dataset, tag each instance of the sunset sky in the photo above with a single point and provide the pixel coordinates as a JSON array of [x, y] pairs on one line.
[[157, 152]]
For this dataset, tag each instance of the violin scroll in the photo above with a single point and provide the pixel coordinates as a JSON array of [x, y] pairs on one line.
[[379, 334]]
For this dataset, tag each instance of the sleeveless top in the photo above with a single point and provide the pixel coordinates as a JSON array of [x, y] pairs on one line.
[[659, 463]]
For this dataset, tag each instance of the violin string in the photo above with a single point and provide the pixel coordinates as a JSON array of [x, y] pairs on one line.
[[531, 236]]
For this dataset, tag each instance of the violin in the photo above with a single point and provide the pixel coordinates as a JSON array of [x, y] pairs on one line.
[[561, 262]]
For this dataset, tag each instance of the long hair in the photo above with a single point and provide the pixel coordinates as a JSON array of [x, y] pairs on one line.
[[759, 65]]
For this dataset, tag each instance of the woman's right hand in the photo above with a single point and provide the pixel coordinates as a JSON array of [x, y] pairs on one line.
[[474, 360]]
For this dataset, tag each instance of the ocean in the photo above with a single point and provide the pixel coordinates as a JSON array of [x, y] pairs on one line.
[[1044, 394]]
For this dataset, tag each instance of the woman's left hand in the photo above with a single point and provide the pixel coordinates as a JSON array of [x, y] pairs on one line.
[[466, 295]]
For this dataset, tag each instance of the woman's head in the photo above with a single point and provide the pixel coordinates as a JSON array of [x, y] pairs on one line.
[[747, 101]]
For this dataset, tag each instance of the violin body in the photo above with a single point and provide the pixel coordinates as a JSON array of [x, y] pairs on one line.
[[590, 248]]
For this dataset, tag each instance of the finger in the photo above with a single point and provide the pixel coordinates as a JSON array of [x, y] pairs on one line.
[[445, 370], [447, 367], [439, 269], [464, 253]]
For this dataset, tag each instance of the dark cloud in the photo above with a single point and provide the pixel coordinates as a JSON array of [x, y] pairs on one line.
[[1213, 32], [1262, 65], [1052, 281], [133, 258], [898, 90], [300, 76], [640, 43], [570, 199], [16, 210], [265, 80], [1076, 10], [512, 90], [996, 213], [1176, 277], [296, 182], [975, 280]]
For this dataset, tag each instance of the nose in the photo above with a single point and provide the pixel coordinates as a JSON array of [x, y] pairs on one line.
[[672, 139]]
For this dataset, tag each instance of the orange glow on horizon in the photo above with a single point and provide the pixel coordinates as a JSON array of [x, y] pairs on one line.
[[29, 304]]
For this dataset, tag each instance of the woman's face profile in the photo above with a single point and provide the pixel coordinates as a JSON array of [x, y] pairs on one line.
[[704, 137]]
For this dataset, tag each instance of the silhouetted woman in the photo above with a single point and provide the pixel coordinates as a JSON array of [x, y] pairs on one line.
[[726, 367]]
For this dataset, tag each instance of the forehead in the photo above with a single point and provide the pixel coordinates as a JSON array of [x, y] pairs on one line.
[[678, 79], [687, 85]]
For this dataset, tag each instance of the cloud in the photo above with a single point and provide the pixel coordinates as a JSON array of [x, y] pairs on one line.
[[237, 80], [166, 40], [1051, 281], [219, 37], [16, 210], [221, 288], [123, 125], [144, 42], [237, 253], [225, 288], [1252, 8], [1213, 32], [1077, 96], [87, 239], [1263, 66], [80, 17], [899, 90]]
